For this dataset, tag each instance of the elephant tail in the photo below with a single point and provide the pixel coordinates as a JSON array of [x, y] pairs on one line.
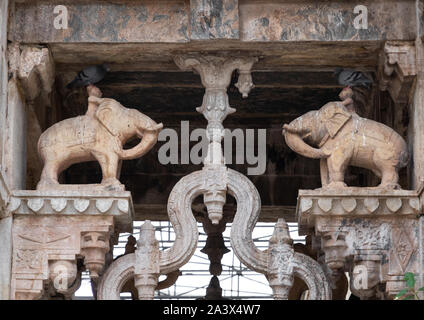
[[401, 148], [403, 159]]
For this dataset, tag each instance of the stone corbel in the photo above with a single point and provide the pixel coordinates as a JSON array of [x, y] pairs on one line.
[[46, 251], [334, 247], [94, 246], [369, 233], [55, 231], [34, 67], [215, 73], [397, 70]]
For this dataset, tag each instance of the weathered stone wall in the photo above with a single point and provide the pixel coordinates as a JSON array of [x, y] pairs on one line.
[[183, 21]]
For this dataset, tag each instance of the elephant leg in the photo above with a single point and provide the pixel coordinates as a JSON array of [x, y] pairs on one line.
[[337, 164], [389, 178], [324, 172], [119, 167], [49, 175], [377, 172], [109, 165]]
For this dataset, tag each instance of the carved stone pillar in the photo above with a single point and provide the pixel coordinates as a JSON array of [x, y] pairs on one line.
[[280, 257], [147, 269], [53, 231], [215, 73], [370, 233]]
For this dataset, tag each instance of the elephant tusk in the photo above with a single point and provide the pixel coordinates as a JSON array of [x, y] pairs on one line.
[[291, 129], [155, 127]]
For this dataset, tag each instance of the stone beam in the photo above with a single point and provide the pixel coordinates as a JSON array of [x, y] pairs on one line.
[[171, 21], [94, 21]]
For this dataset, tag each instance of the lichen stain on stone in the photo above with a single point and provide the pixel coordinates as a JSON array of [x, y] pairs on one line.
[[264, 21], [183, 31], [142, 14], [214, 19], [321, 22], [158, 17], [107, 22]]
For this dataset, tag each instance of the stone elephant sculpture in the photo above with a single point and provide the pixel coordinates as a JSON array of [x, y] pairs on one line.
[[98, 135], [341, 138]]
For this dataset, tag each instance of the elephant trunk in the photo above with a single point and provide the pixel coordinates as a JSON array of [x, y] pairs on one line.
[[148, 131], [295, 142]]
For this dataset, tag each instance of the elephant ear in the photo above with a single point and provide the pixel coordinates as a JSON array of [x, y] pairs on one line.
[[335, 116], [106, 117]]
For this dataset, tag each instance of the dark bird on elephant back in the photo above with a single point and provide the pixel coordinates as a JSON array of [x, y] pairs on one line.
[[89, 75], [352, 78]]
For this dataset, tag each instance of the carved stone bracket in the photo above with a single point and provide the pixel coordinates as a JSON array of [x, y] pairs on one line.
[[46, 249], [54, 230], [34, 67], [215, 72], [397, 70], [372, 234]]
